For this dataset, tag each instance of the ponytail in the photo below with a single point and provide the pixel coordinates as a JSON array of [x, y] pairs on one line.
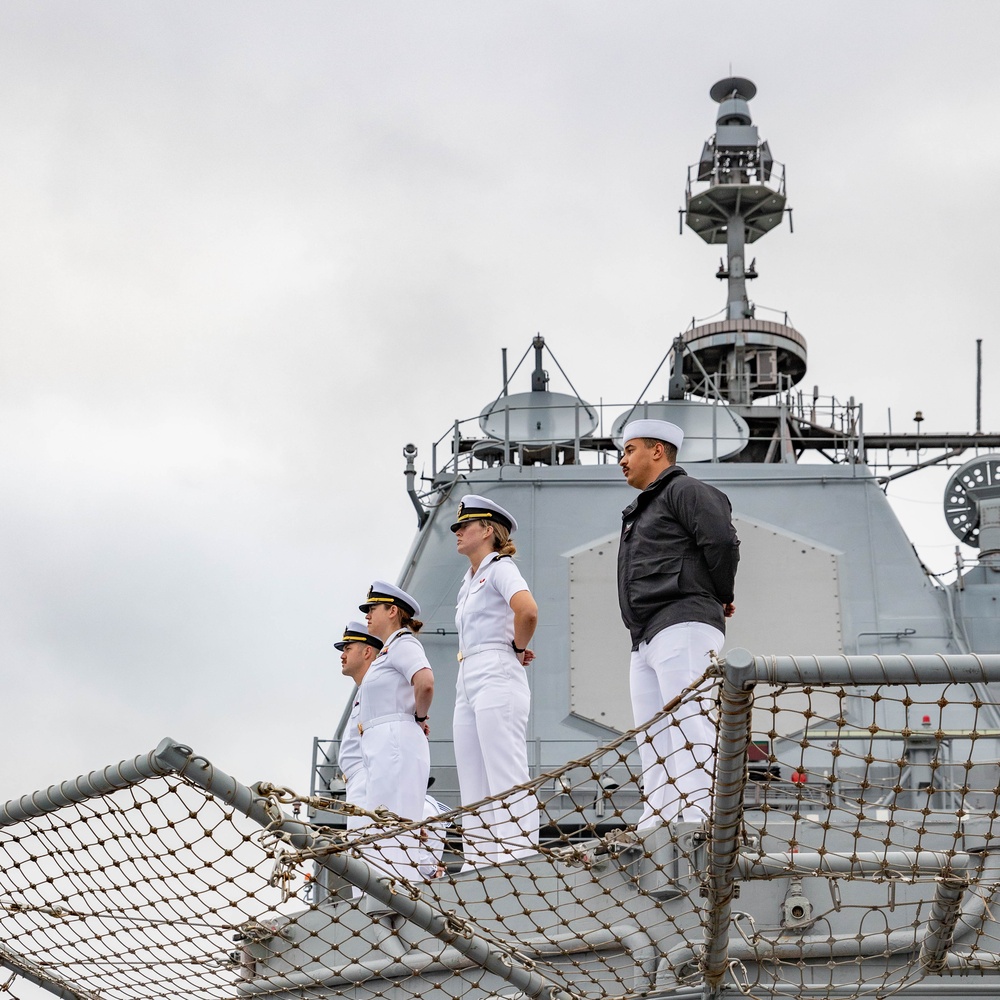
[[501, 540], [406, 621]]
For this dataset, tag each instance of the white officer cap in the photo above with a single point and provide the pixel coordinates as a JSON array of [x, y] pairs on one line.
[[476, 508], [381, 592], [660, 430], [356, 632]]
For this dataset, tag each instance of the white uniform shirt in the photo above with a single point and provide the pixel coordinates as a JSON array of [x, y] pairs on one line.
[[387, 688], [483, 614], [349, 759]]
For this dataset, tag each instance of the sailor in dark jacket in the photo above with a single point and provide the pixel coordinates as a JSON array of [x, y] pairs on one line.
[[676, 573]]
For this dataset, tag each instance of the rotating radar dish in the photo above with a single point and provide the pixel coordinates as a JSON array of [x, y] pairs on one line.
[[733, 86], [978, 479]]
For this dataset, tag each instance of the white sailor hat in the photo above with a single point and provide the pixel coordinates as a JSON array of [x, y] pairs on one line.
[[381, 592], [660, 430], [356, 632], [476, 508]]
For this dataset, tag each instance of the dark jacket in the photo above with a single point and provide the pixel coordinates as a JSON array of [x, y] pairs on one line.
[[678, 555]]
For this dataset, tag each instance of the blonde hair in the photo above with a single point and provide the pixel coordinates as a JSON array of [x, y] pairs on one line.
[[501, 540]]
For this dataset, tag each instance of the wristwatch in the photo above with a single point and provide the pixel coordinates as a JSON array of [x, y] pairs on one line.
[[420, 718], [515, 647]]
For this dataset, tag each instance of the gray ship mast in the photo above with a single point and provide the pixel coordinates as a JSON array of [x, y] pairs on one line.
[[735, 195], [735, 381]]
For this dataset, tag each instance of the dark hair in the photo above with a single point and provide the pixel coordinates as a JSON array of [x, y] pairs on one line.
[[406, 620], [670, 450]]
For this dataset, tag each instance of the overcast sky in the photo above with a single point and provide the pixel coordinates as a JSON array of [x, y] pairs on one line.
[[248, 251]]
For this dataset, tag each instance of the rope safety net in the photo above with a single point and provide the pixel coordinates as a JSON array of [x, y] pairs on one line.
[[850, 845]]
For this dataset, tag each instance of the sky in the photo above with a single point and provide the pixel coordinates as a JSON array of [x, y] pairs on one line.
[[249, 250]]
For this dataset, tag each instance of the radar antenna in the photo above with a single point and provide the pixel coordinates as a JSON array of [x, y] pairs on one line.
[[543, 424], [736, 194], [972, 507], [731, 88]]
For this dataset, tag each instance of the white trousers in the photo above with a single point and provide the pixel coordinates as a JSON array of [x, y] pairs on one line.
[[677, 753], [357, 795], [432, 838], [397, 759], [490, 729]]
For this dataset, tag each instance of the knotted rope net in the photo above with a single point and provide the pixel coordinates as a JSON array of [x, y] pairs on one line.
[[848, 847]]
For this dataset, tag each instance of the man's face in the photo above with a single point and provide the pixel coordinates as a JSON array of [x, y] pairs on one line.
[[640, 463], [353, 660]]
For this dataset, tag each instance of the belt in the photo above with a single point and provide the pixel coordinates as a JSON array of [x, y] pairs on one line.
[[381, 720], [464, 654]]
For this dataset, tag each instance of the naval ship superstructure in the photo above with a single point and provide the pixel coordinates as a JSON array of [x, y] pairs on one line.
[[825, 566], [851, 849]]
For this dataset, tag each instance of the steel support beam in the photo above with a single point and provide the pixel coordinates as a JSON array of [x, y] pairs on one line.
[[736, 705], [924, 668], [888, 864], [945, 911]]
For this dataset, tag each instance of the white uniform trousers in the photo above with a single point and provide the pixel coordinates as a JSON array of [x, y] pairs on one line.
[[397, 758], [489, 729], [432, 839], [357, 794], [677, 781]]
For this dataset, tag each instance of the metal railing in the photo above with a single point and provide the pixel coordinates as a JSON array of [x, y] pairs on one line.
[[730, 169], [816, 422]]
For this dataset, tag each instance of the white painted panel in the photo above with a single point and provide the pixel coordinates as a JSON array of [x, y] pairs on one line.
[[787, 601], [599, 644], [787, 594]]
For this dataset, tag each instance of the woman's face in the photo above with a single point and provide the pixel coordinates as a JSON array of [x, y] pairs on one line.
[[381, 621], [472, 537]]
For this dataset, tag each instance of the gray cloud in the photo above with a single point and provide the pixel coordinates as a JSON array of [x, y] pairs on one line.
[[248, 251]]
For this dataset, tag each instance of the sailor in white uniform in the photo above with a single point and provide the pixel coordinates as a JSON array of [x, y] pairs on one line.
[[358, 649], [496, 617], [396, 697]]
